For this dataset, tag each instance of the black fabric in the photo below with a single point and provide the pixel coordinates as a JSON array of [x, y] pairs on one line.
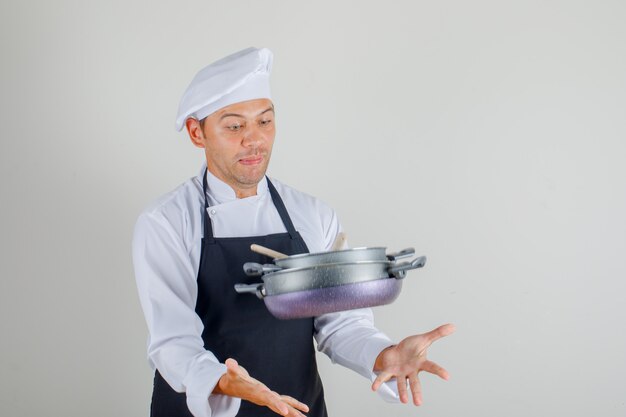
[[279, 353]]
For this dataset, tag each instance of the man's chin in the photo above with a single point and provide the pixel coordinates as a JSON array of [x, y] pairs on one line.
[[255, 173], [251, 179]]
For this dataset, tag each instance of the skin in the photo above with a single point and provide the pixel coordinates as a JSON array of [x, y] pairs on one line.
[[238, 141], [404, 361], [236, 382]]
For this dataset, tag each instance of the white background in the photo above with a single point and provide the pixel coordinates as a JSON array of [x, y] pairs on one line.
[[489, 135]]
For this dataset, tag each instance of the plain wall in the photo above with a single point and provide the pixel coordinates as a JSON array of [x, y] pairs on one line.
[[489, 135]]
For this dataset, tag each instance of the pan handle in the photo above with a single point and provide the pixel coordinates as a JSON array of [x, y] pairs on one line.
[[257, 289], [253, 269], [399, 270], [404, 253]]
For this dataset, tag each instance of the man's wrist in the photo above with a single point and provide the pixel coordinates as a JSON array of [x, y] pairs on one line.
[[220, 387], [378, 363]]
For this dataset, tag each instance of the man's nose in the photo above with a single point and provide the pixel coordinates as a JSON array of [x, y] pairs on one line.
[[253, 136]]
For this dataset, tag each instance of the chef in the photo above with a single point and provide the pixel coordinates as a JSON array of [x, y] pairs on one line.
[[216, 352]]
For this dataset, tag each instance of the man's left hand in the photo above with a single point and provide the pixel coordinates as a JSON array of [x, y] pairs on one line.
[[406, 359]]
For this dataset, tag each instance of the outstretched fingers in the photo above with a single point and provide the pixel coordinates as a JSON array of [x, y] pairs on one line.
[[244, 386], [276, 404], [295, 403], [439, 332], [416, 388], [381, 379], [433, 368], [414, 384], [402, 391], [408, 358]]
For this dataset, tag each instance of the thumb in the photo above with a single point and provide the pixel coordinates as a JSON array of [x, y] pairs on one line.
[[233, 368], [231, 365]]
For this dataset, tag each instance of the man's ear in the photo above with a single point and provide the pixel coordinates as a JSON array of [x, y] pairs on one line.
[[195, 132]]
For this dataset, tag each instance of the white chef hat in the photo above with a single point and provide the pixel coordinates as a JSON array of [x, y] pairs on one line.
[[241, 76]]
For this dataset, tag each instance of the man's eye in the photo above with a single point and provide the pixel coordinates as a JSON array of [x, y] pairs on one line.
[[265, 122], [234, 127]]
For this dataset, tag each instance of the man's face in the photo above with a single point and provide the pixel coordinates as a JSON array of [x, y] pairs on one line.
[[238, 143]]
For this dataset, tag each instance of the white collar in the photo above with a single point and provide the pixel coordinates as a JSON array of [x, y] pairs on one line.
[[222, 192]]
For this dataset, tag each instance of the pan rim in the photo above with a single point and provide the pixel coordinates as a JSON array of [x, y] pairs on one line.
[[326, 265], [304, 255]]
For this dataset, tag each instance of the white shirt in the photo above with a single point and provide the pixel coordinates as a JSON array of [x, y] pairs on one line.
[[166, 256]]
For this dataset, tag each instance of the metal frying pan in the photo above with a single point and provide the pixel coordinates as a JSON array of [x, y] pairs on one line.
[[305, 260], [315, 302], [308, 292]]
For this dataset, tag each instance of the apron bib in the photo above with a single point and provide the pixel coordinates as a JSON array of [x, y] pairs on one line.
[[279, 353]]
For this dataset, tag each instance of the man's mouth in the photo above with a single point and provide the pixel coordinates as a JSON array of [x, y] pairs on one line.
[[252, 160]]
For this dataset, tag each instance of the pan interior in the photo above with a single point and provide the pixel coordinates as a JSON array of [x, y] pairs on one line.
[[303, 255]]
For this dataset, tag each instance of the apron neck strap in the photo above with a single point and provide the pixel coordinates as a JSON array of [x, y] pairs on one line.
[[278, 203], [282, 210], [208, 228]]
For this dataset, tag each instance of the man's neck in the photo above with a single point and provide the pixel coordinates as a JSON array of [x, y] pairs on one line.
[[240, 190], [245, 192]]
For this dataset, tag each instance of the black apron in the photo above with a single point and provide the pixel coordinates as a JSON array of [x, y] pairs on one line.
[[279, 353]]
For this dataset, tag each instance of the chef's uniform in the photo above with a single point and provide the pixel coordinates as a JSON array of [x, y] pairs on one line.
[[188, 251]]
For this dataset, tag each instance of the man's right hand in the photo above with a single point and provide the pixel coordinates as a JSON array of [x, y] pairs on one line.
[[236, 382]]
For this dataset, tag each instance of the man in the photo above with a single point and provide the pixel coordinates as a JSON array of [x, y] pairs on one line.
[[209, 346]]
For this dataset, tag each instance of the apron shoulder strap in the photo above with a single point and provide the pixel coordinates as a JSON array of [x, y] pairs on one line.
[[208, 228], [282, 210]]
